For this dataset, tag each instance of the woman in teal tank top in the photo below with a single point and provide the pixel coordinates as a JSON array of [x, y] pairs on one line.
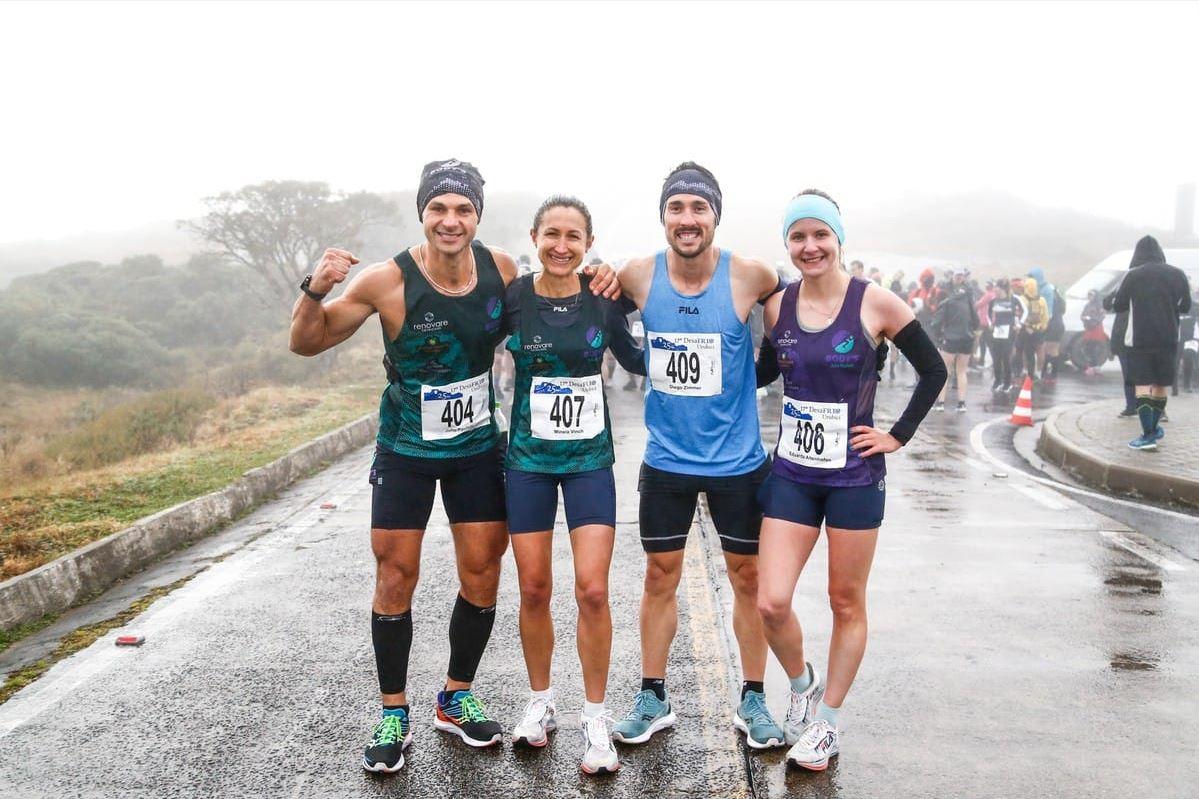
[[561, 436]]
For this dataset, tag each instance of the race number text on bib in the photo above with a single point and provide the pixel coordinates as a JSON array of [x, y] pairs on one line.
[[566, 408], [685, 364], [1001, 332], [453, 409], [814, 434]]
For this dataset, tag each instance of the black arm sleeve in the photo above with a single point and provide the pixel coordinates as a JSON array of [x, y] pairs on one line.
[[629, 354], [767, 365], [782, 284], [920, 351]]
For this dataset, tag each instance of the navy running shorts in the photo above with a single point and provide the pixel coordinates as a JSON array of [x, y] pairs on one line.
[[472, 489], [590, 498], [668, 502], [842, 507]]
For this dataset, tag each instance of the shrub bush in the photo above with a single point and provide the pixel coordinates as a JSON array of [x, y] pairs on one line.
[[152, 422]]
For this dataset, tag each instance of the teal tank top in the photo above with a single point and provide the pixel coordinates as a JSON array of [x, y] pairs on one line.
[[439, 399], [560, 419]]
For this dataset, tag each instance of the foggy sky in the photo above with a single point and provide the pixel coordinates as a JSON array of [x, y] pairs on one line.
[[119, 114]]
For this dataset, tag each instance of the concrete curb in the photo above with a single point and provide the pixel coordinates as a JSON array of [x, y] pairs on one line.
[[1055, 447], [61, 583]]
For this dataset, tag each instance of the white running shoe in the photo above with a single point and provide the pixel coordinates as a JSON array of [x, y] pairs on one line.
[[819, 742], [538, 721], [803, 706], [599, 755]]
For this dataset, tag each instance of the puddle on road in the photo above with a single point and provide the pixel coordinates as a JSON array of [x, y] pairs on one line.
[[1132, 661], [1138, 583]]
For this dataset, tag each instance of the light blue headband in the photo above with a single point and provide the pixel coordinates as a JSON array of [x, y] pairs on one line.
[[813, 206]]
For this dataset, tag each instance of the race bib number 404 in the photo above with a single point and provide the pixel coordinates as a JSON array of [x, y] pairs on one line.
[[685, 364], [814, 434], [450, 410], [566, 408]]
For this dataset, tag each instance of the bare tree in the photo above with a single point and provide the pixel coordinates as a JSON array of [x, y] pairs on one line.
[[280, 228]]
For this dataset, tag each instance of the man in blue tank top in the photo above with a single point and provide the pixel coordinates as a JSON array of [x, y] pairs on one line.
[[702, 418]]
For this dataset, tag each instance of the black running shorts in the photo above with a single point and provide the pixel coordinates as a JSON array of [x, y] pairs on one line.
[[1152, 366], [472, 489], [668, 504]]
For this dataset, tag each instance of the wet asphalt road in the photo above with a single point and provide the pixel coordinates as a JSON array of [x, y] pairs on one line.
[[1025, 641]]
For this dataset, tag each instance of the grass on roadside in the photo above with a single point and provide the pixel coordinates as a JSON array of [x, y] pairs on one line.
[[54, 515]]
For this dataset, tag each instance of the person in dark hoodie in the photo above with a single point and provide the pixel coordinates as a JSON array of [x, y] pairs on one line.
[[1120, 353], [954, 325], [1155, 294]]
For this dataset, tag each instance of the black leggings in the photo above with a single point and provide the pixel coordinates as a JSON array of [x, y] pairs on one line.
[[1001, 362]]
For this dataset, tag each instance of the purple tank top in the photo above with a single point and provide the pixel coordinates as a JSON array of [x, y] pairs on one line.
[[829, 382]]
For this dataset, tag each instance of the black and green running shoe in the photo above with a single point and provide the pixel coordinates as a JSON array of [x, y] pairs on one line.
[[388, 742], [463, 714]]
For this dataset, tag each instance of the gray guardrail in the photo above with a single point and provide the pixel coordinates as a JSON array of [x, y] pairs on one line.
[[58, 585]]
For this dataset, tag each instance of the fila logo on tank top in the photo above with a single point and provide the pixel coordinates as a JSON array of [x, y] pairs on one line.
[[700, 407], [829, 385]]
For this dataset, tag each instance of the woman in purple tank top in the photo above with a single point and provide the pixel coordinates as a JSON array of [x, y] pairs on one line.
[[824, 335]]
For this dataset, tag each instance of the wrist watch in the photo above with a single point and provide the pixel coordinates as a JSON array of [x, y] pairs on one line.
[[304, 288]]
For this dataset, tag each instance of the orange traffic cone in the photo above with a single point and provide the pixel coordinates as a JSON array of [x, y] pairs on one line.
[[1022, 413]]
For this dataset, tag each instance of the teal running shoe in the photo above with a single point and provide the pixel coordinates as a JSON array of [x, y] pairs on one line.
[[1143, 442], [648, 715], [753, 718], [389, 739]]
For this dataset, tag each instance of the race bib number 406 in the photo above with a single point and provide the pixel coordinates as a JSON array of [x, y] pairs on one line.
[[814, 434], [685, 364], [566, 408], [450, 410]]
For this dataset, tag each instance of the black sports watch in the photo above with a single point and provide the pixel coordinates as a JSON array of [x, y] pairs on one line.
[[304, 288]]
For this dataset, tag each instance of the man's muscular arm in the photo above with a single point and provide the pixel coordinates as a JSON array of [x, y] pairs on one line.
[[316, 326], [635, 278], [753, 281]]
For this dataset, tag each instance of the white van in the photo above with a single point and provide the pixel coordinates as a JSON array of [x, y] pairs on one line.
[[1105, 278]]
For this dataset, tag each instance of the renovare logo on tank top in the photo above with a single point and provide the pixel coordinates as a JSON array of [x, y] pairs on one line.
[[431, 323], [782, 354], [843, 356]]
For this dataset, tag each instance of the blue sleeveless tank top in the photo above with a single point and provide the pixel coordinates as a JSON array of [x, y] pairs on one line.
[[829, 384], [700, 403]]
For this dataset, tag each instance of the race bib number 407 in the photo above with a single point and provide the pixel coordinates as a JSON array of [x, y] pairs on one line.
[[814, 434], [450, 410], [685, 364], [566, 408]]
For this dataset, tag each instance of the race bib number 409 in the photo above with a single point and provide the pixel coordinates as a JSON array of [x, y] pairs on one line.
[[450, 410], [566, 408], [685, 364], [814, 434]]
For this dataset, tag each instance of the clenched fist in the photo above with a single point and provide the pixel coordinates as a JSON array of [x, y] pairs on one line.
[[334, 266]]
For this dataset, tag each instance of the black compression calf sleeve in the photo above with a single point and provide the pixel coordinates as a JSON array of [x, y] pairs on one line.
[[920, 351], [470, 629], [392, 637]]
